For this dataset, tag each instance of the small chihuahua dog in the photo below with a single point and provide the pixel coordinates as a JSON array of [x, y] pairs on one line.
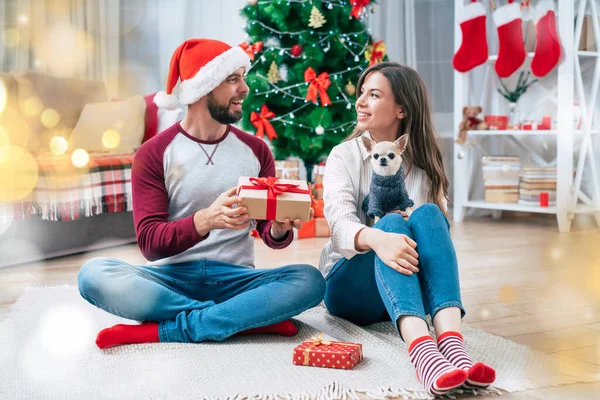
[[388, 191]]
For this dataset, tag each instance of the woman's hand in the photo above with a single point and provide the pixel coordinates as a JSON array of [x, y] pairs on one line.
[[397, 251]]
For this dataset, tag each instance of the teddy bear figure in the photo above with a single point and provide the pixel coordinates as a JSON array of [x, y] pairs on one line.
[[470, 122]]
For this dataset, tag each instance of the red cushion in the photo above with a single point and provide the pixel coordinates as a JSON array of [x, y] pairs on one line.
[[151, 120]]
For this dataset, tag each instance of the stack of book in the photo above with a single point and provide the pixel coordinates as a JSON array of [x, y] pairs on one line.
[[534, 181], [501, 178]]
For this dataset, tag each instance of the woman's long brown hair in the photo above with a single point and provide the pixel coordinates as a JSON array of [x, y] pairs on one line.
[[422, 150]]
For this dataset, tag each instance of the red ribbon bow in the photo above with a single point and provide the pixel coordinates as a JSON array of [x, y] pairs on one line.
[[262, 124], [252, 49], [318, 85], [378, 53], [273, 189], [357, 7]]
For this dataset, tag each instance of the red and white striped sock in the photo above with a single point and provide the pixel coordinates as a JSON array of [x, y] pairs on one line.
[[452, 346], [436, 374]]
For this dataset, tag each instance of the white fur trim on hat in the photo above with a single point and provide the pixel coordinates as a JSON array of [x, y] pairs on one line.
[[507, 13], [212, 74], [166, 101], [542, 8], [471, 11]]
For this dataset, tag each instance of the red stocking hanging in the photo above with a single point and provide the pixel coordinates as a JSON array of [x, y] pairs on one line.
[[547, 44], [511, 51], [473, 49]]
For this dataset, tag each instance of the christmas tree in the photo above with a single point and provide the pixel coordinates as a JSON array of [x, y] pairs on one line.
[[307, 56]]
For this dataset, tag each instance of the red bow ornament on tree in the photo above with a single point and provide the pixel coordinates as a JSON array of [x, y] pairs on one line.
[[317, 85], [358, 6], [252, 49], [375, 52], [262, 124]]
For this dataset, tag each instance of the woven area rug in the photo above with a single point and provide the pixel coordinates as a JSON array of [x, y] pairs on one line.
[[47, 351]]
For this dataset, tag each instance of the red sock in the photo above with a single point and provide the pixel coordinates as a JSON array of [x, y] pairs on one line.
[[284, 328], [146, 332], [451, 345], [473, 50], [511, 49], [547, 44], [436, 374]]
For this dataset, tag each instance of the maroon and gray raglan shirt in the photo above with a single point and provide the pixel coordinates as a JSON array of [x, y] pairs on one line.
[[174, 175]]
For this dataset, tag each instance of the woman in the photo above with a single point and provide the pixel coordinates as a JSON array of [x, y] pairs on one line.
[[400, 268]]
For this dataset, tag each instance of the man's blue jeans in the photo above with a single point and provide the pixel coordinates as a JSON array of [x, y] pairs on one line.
[[364, 290], [200, 300]]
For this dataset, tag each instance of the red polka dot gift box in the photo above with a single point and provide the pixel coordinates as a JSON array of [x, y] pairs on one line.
[[317, 352]]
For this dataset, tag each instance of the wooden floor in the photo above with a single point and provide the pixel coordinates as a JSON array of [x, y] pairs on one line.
[[520, 279]]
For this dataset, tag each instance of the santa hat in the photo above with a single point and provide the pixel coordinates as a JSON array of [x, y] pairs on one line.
[[201, 65]]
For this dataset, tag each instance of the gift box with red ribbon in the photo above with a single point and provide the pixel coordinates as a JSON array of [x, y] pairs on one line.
[[317, 352], [275, 199]]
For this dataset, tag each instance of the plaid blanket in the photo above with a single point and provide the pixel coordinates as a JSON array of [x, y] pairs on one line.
[[65, 192]]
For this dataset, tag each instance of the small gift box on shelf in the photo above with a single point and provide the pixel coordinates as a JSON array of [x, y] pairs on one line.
[[317, 352], [530, 125], [287, 169], [496, 122], [546, 123], [275, 199]]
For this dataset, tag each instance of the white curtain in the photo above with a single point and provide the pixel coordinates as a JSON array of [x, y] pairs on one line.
[[393, 22], [198, 18], [69, 38]]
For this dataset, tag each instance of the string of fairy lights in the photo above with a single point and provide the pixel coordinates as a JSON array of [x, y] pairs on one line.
[[281, 34], [330, 4], [353, 47], [285, 90], [343, 38]]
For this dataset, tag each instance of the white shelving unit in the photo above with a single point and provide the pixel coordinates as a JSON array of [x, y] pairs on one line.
[[570, 143]]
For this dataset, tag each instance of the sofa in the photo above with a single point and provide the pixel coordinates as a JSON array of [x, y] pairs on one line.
[[72, 207]]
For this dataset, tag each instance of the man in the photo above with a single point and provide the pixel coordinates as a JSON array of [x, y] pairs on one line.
[[200, 283]]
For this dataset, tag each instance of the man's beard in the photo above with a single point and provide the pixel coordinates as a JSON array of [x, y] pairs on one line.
[[221, 113]]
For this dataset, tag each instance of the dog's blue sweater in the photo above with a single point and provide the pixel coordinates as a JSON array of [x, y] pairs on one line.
[[386, 193]]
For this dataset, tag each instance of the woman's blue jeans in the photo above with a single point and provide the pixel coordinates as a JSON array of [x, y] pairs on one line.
[[364, 290], [200, 300]]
